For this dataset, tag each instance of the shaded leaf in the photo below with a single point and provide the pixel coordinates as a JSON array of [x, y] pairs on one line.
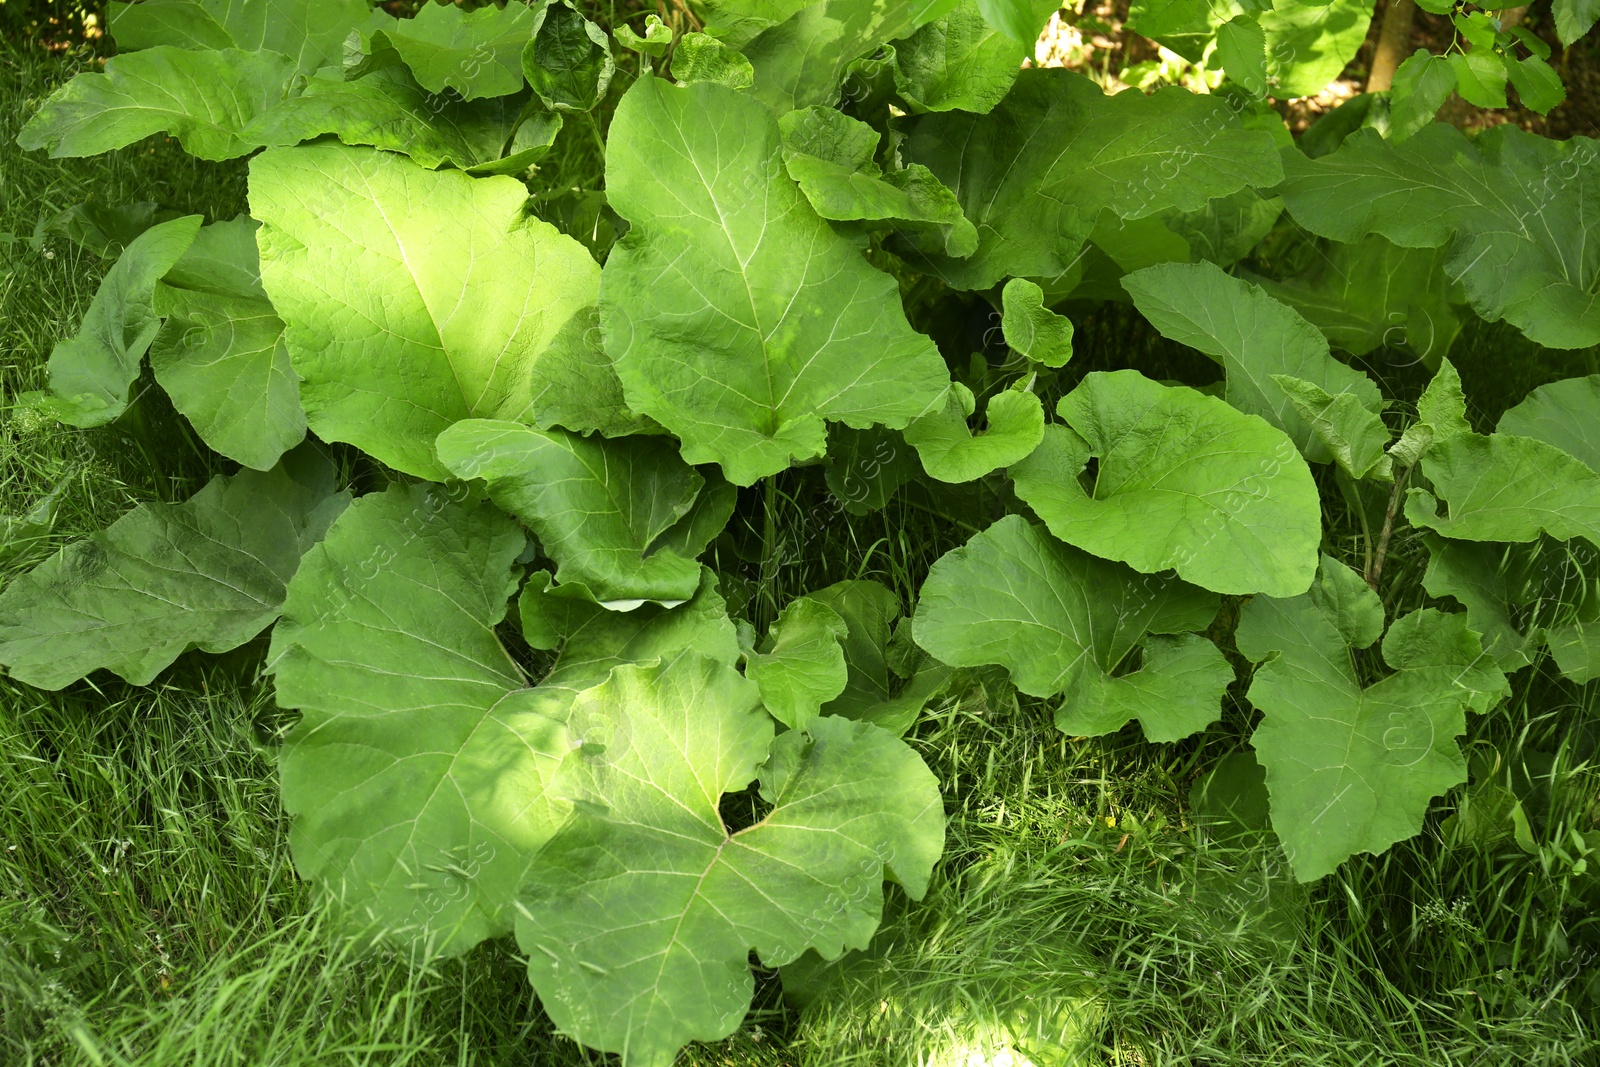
[[220, 354], [1254, 337], [477, 53], [209, 573], [568, 62], [958, 62], [1421, 86], [1036, 172], [1352, 769], [91, 372], [598, 506], [310, 32], [831, 156]]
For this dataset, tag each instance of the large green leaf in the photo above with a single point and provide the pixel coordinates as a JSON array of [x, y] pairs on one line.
[[1036, 172], [831, 155], [220, 354], [477, 53], [951, 452], [208, 573], [1564, 414], [1373, 292], [1352, 769], [91, 373], [1183, 26], [1514, 209], [207, 100], [1309, 42], [1504, 488], [639, 920], [310, 32], [1183, 481], [414, 299], [598, 506], [1062, 621], [958, 62], [387, 109], [801, 51], [736, 317], [1254, 337], [420, 772]]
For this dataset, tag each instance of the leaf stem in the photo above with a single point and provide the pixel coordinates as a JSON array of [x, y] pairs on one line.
[[1375, 570]]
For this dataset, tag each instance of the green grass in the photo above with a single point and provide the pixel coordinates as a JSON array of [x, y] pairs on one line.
[[149, 913]]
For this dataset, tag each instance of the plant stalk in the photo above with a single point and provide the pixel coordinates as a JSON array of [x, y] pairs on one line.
[[1375, 571]]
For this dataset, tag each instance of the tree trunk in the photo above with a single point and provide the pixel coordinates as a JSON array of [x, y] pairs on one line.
[[1394, 44]]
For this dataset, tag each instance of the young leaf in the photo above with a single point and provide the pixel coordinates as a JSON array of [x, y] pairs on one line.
[[1061, 621], [1254, 337], [951, 452], [1035, 173], [1538, 85], [1183, 481], [103, 230], [831, 156], [655, 42], [1441, 414], [1242, 48], [1539, 472], [420, 772], [1515, 210], [568, 62], [1351, 769], [1480, 78], [871, 693], [91, 373], [477, 53], [414, 299], [220, 354], [1354, 435], [701, 58], [957, 63], [1574, 18], [1030, 328], [850, 805], [208, 573], [1421, 86], [598, 506], [800, 666], [207, 100], [737, 317], [593, 639]]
